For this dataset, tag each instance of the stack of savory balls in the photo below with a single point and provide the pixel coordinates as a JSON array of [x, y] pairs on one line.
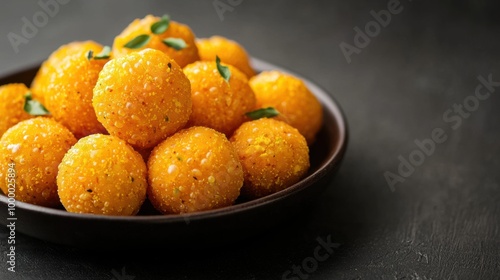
[[186, 123]]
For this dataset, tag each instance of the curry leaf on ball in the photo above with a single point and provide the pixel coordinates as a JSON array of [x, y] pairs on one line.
[[223, 70], [176, 43], [33, 107], [138, 42], [268, 112], [104, 54], [90, 54], [161, 26]]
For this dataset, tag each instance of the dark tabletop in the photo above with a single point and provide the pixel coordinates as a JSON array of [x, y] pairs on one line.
[[417, 196]]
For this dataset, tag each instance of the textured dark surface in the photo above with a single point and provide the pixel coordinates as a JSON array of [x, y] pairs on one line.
[[442, 222]]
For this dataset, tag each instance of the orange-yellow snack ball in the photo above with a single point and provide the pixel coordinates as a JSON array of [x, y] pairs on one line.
[[68, 95], [33, 149], [229, 51], [102, 174], [12, 105], [175, 30], [194, 170], [216, 103], [274, 156], [290, 96], [43, 78], [143, 98]]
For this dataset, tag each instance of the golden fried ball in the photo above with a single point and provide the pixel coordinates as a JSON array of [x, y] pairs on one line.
[[12, 105], [102, 174], [194, 170], [228, 50], [36, 147], [290, 96], [43, 77], [142, 97], [274, 156], [68, 95], [216, 103], [175, 30]]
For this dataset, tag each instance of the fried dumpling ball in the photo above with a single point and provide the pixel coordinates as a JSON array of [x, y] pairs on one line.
[[228, 50], [34, 148], [218, 104], [175, 30], [69, 88], [196, 169], [43, 77], [274, 156], [142, 97], [102, 174], [12, 99], [291, 97]]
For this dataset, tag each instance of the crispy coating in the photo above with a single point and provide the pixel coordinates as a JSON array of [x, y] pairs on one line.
[[175, 30], [143, 98], [290, 96], [12, 105], [43, 77], [194, 170], [36, 147], [69, 91], [102, 174], [229, 51], [274, 156], [216, 103]]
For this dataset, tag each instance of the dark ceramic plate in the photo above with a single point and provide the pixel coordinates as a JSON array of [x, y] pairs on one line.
[[229, 224]]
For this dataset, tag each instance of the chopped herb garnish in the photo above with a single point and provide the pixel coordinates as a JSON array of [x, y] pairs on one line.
[[161, 26], [34, 107], [268, 112], [104, 54], [223, 70], [176, 43], [138, 42], [90, 54]]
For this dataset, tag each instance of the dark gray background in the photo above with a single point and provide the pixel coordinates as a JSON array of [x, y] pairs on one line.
[[442, 222]]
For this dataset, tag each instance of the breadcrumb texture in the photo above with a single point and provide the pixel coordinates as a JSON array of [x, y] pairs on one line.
[[66, 84], [290, 96], [175, 30], [196, 169], [229, 51], [143, 98], [216, 103], [102, 174], [36, 147], [274, 156], [43, 79], [12, 105]]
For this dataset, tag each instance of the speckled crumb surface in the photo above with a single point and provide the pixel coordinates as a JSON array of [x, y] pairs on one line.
[[142, 97], [12, 105], [218, 104], [175, 30], [35, 147], [65, 84], [229, 51], [102, 174], [274, 156], [194, 170], [290, 96]]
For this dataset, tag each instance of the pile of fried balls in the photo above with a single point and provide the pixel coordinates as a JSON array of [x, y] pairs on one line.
[[161, 115]]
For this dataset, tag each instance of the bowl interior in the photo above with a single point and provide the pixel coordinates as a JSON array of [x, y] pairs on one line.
[[326, 155]]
